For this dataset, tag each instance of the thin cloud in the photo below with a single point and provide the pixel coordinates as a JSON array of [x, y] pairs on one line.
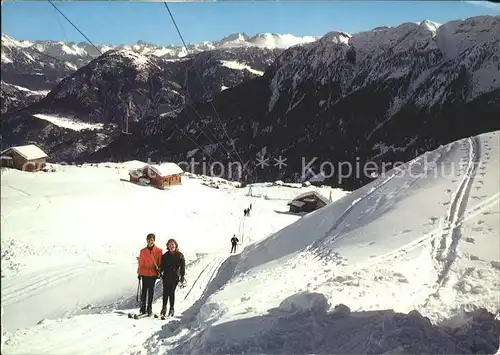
[[487, 4]]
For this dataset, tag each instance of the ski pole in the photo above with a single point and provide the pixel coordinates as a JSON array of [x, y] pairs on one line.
[[138, 290]]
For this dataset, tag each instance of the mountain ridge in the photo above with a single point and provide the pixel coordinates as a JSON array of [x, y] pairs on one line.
[[387, 94]]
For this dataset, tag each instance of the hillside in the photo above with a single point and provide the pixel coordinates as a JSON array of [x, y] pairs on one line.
[[407, 264], [303, 103], [385, 95]]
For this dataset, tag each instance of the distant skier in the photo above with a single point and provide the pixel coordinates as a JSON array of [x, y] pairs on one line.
[[173, 268], [234, 241], [148, 271], [250, 208], [245, 212]]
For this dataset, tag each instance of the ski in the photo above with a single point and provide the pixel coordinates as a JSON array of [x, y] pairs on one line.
[[155, 315], [165, 317], [169, 317], [138, 316]]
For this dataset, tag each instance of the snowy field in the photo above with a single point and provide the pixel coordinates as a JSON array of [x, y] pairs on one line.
[[409, 263], [70, 123]]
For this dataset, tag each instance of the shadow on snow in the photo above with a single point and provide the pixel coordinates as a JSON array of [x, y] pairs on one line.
[[303, 325]]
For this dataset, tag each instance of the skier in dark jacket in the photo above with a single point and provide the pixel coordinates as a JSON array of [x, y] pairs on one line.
[[173, 267], [234, 241]]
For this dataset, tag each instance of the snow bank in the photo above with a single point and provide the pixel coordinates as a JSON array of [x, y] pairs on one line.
[[421, 237], [240, 66], [415, 256], [292, 329], [64, 122], [77, 231]]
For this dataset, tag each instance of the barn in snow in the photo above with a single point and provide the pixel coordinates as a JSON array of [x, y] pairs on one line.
[[25, 157], [308, 202], [160, 176]]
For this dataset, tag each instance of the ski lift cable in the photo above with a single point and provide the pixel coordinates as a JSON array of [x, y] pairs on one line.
[[192, 140], [91, 43], [209, 155], [61, 25], [201, 81], [127, 131], [203, 85], [76, 27], [187, 102], [185, 134], [194, 109], [190, 102], [201, 149], [187, 96]]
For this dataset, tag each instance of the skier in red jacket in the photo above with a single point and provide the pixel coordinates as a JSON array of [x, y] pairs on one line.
[[148, 271]]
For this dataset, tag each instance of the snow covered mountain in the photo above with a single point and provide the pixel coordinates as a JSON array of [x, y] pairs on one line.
[[383, 95], [121, 84], [80, 52], [19, 57], [17, 97], [408, 264], [40, 65], [98, 91], [24, 65]]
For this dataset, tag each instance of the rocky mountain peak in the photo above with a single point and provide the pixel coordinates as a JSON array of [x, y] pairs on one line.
[[235, 37]]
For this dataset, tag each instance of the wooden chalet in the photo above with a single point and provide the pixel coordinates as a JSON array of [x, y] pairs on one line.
[[308, 202], [160, 176], [25, 157]]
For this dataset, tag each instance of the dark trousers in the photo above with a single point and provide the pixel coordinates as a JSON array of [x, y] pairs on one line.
[[148, 288], [169, 286], [233, 247]]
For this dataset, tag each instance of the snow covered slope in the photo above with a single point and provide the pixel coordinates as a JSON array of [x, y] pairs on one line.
[[78, 226], [73, 124], [422, 239]]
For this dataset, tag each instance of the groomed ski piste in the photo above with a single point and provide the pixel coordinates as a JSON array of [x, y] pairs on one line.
[[409, 263]]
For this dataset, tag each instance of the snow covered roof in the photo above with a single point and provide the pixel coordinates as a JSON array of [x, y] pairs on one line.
[[28, 152], [166, 169], [315, 193]]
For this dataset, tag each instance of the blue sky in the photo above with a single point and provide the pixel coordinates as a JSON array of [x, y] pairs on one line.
[[110, 22]]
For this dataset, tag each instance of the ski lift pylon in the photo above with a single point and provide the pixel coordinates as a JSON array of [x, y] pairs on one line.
[[127, 132]]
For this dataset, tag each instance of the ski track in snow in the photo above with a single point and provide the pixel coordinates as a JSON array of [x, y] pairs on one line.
[[97, 338], [317, 245], [19, 291], [452, 231], [203, 280]]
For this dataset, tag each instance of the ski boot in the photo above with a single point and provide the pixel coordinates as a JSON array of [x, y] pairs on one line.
[[171, 312], [136, 316]]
